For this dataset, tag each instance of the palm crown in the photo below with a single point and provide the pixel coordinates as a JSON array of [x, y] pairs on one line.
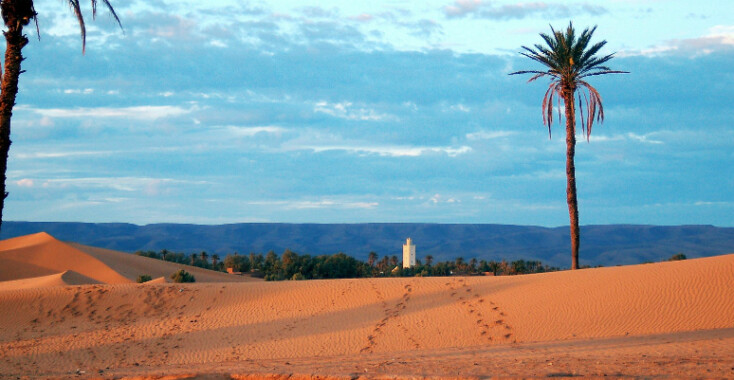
[[20, 13], [569, 60]]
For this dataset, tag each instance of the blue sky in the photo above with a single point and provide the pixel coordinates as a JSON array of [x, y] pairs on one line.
[[381, 111]]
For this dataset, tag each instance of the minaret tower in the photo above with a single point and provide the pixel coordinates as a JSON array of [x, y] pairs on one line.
[[408, 254]]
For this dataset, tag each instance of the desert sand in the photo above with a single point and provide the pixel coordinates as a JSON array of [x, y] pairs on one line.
[[71, 311]]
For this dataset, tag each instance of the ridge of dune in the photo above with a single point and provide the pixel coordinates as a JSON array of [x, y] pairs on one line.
[[157, 280], [65, 278], [131, 266], [41, 254], [25, 241]]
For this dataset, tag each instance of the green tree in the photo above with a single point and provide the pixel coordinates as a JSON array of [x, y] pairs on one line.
[[238, 263], [256, 260], [677, 256], [569, 60], [17, 14], [271, 261]]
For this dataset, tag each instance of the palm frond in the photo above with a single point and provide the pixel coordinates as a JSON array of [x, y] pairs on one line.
[[547, 109], [110, 9], [539, 75], [595, 107], [74, 4], [581, 111], [603, 73], [591, 52], [554, 89]]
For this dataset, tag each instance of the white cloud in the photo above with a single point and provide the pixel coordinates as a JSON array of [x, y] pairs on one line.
[[460, 107], [218, 43], [709, 203], [438, 198], [393, 151], [488, 135], [319, 204], [85, 91], [139, 112], [25, 182], [44, 155], [518, 10], [346, 110], [719, 37], [645, 139], [461, 8], [149, 186], [252, 131]]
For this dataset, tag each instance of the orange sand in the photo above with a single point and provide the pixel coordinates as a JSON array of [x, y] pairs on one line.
[[667, 319]]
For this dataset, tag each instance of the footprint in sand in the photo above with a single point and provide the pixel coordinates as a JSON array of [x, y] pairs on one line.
[[390, 313]]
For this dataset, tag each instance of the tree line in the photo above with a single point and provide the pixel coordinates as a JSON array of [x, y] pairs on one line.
[[292, 266]]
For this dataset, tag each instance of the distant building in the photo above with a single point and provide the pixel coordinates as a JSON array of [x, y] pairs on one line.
[[408, 254]]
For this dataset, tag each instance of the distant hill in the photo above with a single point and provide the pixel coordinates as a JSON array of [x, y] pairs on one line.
[[600, 245]]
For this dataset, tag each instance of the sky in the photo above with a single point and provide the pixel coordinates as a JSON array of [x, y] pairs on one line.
[[368, 111]]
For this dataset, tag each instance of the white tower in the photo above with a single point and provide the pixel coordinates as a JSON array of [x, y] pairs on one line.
[[408, 254]]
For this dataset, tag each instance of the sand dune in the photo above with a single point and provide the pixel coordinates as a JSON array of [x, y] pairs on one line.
[[40, 255], [666, 319], [46, 255]]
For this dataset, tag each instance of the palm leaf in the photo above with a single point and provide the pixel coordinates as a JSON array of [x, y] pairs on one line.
[[74, 4]]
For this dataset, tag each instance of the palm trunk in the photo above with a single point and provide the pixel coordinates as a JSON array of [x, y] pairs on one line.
[[15, 41], [573, 208]]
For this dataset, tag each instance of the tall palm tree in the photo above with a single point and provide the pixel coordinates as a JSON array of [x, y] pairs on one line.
[[569, 60], [16, 15]]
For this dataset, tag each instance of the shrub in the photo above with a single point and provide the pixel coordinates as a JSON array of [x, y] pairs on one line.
[[144, 278], [183, 276], [677, 256]]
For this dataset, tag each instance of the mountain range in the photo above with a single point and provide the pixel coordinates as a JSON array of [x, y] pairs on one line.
[[600, 244]]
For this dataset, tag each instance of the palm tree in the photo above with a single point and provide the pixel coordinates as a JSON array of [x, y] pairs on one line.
[[371, 258], [569, 60], [459, 264], [16, 15], [429, 260]]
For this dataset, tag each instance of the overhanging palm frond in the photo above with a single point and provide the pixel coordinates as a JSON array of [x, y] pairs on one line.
[[74, 4]]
